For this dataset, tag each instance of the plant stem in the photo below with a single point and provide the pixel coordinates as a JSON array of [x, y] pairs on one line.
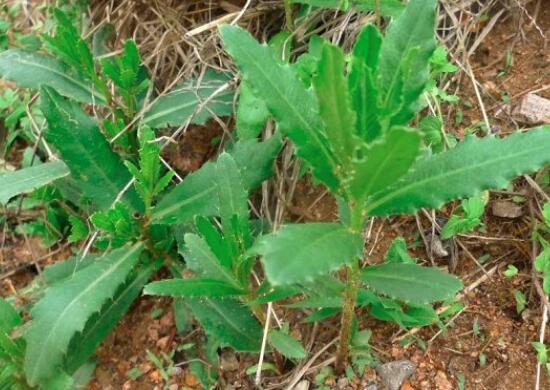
[[348, 309], [350, 297]]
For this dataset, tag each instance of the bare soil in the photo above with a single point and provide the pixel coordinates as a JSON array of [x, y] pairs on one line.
[[488, 343]]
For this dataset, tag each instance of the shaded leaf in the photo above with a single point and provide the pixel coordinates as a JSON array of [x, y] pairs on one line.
[[28, 179], [229, 322], [98, 170], [101, 324], [193, 287], [67, 306], [286, 344], [33, 70], [196, 195], [176, 107]]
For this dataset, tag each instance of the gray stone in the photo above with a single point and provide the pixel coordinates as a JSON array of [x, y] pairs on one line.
[[532, 110], [507, 209], [393, 374]]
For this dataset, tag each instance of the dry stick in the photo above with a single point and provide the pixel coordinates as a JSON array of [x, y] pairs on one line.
[[258, 377], [306, 366]]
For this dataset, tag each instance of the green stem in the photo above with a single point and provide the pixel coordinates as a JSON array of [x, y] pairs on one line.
[[349, 298]]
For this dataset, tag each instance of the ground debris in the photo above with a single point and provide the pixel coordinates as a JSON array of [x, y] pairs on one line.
[[532, 110], [507, 209], [394, 373]]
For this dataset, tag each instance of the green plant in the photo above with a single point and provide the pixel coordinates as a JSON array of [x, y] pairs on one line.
[[542, 262], [107, 174], [348, 122], [473, 209]]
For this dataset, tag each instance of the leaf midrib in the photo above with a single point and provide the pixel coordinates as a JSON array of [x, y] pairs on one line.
[[63, 75], [60, 319], [419, 183]]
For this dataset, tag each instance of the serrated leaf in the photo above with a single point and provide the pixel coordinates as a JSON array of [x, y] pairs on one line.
[[67, 306], [286, 344], [292, 105], [33, 70], [193, 287], [28, 179], [362, 82], [411, 282], [201, 260], [196, 195], [98, 170], [403, 67], [472, 166], [233, 204], [385, 161], [101, 324], [252, 114], [300, 253], [176, 107], [63, 269], [332, 92], [217, 243], [229, 322]]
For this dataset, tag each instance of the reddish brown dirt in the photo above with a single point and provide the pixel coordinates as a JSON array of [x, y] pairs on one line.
[[501, 335]]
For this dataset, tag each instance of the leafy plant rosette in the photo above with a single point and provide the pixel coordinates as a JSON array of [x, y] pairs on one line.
[[349, 116], [122, 200]]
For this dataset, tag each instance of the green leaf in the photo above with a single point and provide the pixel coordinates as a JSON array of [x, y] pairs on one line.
[[68, 45], [233, 204], [32, 70], [300, 253], [28, 179], [286, 344], [194, 287], [67, 306], [398, 253], [229, 322], [79, 229], [411, 282], [98, 170], [472, 166], [148, 177], [10, 317], [510, 271], [63, 269], [391, 8], [176, 107], [546, 214], [362, 85], [331, 88], [196, 195], [403, 68], [252, 114], [292, 105], [100, 325], [385, 161], [201, 260], [542, 352]]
